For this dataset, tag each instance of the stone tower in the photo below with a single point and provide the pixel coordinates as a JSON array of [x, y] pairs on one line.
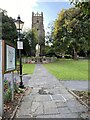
[[37, 23]]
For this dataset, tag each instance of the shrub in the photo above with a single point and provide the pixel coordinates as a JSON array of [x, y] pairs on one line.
[[16, 87], [68, 56], [7, 91], [8, 95]]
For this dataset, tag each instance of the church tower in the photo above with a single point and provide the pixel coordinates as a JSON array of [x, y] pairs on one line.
[[37, 23]]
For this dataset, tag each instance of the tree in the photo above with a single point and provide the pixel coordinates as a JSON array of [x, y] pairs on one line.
[[49, 33], [83, 5], [71, 30], [30, 41], [79, 27], [85, 8], [9, 31], [60, 34], [49, 50]]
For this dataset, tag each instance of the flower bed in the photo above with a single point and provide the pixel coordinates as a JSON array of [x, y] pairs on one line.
[[10, 105], [84, 96]]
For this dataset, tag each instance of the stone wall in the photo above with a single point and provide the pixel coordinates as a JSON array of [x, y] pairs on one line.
[[32, 60]]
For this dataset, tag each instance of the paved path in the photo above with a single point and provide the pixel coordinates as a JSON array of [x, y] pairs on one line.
[[71, 85], [49, 99], [76, 85]]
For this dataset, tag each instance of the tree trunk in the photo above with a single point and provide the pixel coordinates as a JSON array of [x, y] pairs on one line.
[[75, 54], [86, 54]]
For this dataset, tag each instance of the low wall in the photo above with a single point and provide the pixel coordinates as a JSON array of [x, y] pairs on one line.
[[33, 60]]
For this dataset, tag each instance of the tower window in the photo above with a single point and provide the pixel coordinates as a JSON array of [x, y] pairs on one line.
[[37, 21]]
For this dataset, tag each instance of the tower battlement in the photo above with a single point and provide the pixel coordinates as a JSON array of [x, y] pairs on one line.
[[37, 14]]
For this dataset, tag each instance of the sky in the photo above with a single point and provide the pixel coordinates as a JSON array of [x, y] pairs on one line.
[[24, 8]]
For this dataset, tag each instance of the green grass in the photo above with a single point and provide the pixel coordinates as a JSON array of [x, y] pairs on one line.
[[65, 69], [28, 68]]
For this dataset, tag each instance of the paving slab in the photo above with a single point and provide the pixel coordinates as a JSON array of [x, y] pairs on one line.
[[36, 108], [58, 97], [60, 104], [50, 108], [80, 85], [64, 110], [49, 99], [42, 98]]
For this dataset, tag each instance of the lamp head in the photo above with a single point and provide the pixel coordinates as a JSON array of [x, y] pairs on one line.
[[19, 24]]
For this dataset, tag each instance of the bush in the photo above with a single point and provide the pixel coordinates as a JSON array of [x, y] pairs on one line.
[[7, 91], [8, 95], [16, 87]]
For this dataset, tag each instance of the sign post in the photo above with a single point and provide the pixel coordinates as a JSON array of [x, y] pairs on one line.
[[12, 84], [1, 80]]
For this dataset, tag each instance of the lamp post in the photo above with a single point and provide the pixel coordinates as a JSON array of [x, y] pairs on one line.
[[19, 25]]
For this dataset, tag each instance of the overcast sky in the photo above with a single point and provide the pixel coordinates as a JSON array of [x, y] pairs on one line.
[[24, 8]]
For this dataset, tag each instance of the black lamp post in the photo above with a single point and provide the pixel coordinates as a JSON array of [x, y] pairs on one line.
[[19, 25]]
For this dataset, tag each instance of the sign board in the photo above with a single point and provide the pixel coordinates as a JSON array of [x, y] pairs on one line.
[[10, 58], [19, 44]]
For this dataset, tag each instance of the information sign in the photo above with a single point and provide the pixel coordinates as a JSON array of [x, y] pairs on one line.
[[19, 44], [10, 58]]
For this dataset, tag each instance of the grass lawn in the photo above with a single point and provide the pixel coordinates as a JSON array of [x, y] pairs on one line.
[[65, 69], [28, 68]]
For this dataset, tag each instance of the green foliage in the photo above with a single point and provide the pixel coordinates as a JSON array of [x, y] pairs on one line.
[[49, 34], [61, 39], [72, 28], [20, 90], [8, 95], [83, 5], [49, 51], [30, 41], [9, 31], [49, 48], [7, 91], [16, 88], [88, 93]]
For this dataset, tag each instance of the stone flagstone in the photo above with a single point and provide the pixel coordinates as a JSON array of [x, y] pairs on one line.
[[49, 99]]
